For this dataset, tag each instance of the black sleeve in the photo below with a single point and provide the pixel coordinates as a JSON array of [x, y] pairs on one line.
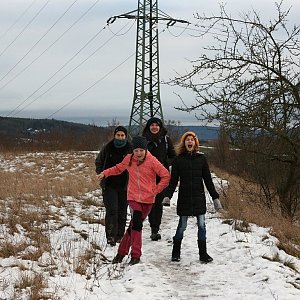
[[101, 160], [208, 180], [171, 154], [169, 191]]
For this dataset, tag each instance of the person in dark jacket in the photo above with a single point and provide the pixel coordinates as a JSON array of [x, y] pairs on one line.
[[191, 169], [114, 188], [160, 146]]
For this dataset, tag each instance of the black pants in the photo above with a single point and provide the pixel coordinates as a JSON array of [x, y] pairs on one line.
[[156, 212], [115, 201]]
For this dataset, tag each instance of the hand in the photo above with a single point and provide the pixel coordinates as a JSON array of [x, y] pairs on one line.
[[166, 201], [100, 176], [217, 204]]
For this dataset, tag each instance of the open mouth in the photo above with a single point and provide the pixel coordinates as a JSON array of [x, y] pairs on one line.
[[190, 146]]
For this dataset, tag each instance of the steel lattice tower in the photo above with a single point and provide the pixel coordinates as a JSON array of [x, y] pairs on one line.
[[146, 98]]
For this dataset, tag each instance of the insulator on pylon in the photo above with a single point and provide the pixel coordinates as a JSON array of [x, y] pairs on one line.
[[111, 20]]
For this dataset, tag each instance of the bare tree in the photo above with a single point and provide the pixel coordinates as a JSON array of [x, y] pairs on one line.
[[249, 81]]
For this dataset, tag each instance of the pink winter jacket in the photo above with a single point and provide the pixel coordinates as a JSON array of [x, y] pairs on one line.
[[142, 185]]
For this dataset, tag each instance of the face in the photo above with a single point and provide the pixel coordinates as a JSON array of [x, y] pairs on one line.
[[154, 128], [120, 135], [139, 153], [190, 143]]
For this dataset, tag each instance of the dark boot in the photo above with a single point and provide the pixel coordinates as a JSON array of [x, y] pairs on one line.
[[155, 236], [176, 250], [111, 241], [134, 261], [203, 256], [117, 259]]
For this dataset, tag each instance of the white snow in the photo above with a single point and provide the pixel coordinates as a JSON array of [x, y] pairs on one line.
[[240, 269]]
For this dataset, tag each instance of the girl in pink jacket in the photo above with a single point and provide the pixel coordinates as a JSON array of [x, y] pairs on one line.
[[142, 168]]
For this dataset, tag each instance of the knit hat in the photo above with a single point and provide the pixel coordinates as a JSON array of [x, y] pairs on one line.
[[139, 142], [154, 120], [120, 128], [189, 133]]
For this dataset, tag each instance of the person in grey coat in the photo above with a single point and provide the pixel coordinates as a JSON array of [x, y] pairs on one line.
[[191, 169]]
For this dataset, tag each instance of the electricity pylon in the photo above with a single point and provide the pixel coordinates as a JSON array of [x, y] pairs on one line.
[[146, 98]]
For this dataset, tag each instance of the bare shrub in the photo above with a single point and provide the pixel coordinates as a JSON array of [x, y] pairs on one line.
[[242, 200]]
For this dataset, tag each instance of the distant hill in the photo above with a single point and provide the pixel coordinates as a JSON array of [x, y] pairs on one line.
[[23, 127], [204, 133]]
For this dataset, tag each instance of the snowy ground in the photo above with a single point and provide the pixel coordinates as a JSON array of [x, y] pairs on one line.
[[247, 265], [237, 272]]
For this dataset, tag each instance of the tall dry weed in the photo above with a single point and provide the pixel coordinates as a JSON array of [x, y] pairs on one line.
[[242, 201]]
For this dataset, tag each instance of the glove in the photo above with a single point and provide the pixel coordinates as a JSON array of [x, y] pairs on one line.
[[217, 204], [166, 201]]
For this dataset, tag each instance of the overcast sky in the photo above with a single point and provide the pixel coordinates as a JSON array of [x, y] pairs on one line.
[[59, 59]]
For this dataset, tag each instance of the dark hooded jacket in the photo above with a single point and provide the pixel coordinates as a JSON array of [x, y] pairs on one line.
[[191, 170], [108, 157], [160, 145]]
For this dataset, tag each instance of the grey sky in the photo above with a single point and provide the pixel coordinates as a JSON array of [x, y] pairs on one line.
[[30, 66]]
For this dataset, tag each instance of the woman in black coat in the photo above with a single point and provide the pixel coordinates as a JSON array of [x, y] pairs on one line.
[[190, 167]]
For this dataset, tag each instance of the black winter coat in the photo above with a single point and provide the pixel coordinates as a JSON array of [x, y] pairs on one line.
[[108, 157], [191, 170], [162, 148]]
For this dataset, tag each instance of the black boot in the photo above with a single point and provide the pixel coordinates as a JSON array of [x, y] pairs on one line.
[[155, 236], [134, 261], [176, 250], [203, 256], [117, 259]]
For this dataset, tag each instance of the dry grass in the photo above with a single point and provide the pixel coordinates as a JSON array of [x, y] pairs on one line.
[[83, 262], [241, 201], [34, 284], [34, 192]]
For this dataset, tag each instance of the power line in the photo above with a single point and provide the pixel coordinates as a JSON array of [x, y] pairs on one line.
[[57, 82], [68, 29], [215, 31], [17, 20], [26, 26], [95, 83], [51, 27]]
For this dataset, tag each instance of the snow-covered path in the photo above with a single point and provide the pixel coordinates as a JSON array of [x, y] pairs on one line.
[[237, 272]]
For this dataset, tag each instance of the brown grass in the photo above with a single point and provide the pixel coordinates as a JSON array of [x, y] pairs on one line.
[[83, 262], [36, 284], [241, 201], [31, 184]]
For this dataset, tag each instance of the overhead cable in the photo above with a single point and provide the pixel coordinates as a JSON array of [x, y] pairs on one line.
[[51, 27], [17, 20], [65, 76], [95, 83], [69, 28], [26, 26]]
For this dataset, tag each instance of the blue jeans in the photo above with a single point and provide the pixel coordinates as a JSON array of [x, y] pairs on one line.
[[182, 224]]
